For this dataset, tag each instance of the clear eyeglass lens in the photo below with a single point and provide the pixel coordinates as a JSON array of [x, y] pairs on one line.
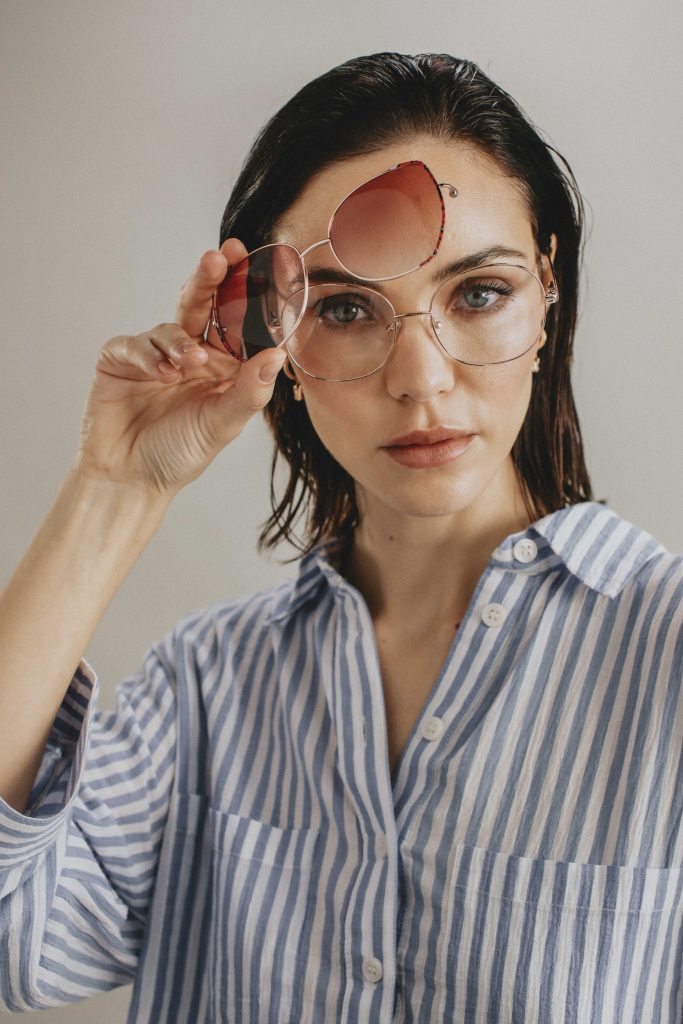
[[491, 315], [344, 333]]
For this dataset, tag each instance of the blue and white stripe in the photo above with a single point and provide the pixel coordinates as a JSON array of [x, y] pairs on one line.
[[231, 837]]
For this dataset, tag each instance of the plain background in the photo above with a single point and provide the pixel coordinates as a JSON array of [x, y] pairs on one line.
[[124, 126]]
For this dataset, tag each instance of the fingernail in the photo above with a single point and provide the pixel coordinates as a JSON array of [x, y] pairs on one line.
[[269, 372]]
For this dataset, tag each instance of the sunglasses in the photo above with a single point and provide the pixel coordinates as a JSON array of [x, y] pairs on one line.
[[388, 227]]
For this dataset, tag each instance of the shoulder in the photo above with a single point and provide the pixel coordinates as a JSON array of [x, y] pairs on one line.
[[608, 553], [638, 582], [237, 631], [234, 619]]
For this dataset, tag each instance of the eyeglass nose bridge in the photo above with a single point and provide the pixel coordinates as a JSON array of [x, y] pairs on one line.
[[436, 324]]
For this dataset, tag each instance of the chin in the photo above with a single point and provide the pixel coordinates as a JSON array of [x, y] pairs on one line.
[[424, 498]]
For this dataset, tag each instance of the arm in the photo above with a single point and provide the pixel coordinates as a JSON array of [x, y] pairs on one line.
[[85, 798], [89, 541], [163, 404]]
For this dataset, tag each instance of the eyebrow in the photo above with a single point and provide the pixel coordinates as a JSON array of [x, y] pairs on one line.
[[330, 275]]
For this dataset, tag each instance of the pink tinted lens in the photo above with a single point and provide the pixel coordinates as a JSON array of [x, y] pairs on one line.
[[248, 303], [391, 224]]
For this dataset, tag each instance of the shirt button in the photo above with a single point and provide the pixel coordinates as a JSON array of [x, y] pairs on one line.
[[525, 550], [380, 847], [372, 969], [493, 615], [432, 728]]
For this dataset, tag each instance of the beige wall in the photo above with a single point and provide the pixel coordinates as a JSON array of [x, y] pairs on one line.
[[124, 125]]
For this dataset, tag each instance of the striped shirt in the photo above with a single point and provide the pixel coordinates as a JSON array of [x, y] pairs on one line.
[[231, 837]]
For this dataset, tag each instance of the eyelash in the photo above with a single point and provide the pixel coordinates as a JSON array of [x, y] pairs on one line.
[[491, 286], [325, 305]]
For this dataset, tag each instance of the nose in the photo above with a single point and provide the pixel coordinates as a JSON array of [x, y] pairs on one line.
[[418, 366]]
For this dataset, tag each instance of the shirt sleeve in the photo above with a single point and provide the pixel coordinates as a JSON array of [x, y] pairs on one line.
[[77, 868]]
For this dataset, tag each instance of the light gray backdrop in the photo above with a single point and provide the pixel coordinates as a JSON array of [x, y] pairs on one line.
[[124, 125]]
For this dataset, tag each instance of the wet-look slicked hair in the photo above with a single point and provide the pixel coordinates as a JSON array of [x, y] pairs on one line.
[[361, 107]]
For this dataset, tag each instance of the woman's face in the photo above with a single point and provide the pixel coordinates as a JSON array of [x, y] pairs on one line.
[[421, 387]]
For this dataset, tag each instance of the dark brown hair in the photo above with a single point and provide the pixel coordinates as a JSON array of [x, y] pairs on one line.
[[362, 106]]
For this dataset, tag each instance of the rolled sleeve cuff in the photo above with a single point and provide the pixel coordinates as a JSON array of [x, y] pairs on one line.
[[25, 835]]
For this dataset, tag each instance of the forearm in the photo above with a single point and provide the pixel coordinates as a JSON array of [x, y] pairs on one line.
[[89, 541]]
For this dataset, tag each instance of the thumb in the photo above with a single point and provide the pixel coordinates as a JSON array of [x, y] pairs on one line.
[[251, 389]]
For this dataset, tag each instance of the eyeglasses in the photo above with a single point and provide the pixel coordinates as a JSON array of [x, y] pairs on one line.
[[490, 315], [389, 226]]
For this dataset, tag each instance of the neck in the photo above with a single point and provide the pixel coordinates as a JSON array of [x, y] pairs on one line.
[[414, 571]]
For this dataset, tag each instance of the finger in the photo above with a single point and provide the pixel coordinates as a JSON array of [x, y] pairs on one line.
[[249, 391], [233, 250], [194, 303], [159, 354], [178, 348]]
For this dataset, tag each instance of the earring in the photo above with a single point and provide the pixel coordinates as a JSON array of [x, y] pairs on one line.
[[296, 387], [536, 365]]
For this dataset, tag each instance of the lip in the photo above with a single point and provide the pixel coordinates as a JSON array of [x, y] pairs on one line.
[[423, 449], [417, 437]]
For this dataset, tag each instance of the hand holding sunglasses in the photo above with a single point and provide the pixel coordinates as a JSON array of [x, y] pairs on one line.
[[164, 403]]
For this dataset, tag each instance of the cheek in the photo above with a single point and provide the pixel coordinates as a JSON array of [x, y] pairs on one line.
[[503, 393], [340, 418]]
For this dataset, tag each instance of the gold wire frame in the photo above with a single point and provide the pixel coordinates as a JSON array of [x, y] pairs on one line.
[[550, 295]]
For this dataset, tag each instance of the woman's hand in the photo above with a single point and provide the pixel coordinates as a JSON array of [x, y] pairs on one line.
[[165, 402]]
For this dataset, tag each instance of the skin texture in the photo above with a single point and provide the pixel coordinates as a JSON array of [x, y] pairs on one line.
[[425, 534]]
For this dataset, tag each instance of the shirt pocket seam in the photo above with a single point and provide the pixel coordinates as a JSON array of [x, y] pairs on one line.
[[616, 877], [239, 836]]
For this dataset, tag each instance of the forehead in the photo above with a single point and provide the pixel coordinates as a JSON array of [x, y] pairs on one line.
[[490, 208]]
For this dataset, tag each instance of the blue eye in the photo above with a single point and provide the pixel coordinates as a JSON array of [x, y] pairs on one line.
[[483, 295], [478, 297], [342, 311], [346, 310]]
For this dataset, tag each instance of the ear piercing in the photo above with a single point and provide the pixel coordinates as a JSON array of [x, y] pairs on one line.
[[536, 365], [296, 387]]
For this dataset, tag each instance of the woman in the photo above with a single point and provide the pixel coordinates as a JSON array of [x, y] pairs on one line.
[[437, 776]]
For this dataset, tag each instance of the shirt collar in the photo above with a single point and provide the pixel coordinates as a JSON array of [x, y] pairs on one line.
[[315, 571], [592, 542], [595, 545]]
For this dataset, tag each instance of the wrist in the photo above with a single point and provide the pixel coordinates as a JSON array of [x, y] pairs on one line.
[[97, 492]]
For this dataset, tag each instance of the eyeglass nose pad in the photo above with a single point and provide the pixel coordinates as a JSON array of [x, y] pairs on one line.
[[397, 322]]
